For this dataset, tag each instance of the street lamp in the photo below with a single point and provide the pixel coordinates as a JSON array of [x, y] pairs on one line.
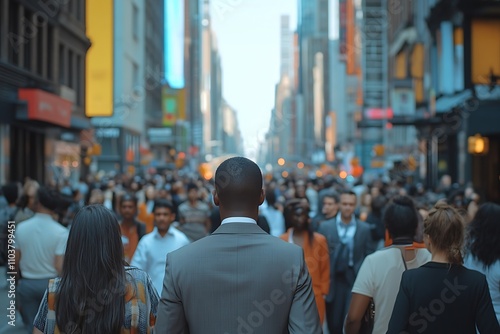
[[478, 145]]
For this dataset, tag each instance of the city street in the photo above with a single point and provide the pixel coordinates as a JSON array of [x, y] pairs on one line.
[[130, 129]]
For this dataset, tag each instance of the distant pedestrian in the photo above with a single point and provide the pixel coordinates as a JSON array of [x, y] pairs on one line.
[[152, 250], [40, 248]]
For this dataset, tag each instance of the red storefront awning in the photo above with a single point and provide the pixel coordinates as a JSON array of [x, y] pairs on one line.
[[47, 107]]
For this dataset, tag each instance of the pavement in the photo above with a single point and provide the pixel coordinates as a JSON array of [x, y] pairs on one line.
[[16, 323]]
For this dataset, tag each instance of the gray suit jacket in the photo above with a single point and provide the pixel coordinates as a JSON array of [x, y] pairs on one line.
[[237, 280], [362, 247]]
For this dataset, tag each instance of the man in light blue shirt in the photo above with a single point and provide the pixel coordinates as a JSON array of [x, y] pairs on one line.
[[152, 250]]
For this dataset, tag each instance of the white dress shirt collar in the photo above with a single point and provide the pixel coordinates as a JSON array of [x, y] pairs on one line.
[[238, 220]]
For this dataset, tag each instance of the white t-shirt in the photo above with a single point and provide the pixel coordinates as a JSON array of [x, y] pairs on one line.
[[492, 274], [152, 250], [40, 239], [380, 276]]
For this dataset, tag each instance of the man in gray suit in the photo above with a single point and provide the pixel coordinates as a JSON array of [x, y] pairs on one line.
[[349, 242], [239, 279]]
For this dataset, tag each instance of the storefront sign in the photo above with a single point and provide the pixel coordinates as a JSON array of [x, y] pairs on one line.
[[47, 107], [160, 135], [107, 132]]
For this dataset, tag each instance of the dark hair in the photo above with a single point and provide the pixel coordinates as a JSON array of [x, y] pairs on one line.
[[270, 197], [332, 195], [63, 204], [128, 198], [48, 198], [378, 204], [192, 186], [288, 212], [238, 183], [93, 268], [445, 227], [348, 192], [401, 217], [483, 234], [11, 192], [163, 203]]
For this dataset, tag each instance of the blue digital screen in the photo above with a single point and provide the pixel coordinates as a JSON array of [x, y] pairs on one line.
[[174, 43]]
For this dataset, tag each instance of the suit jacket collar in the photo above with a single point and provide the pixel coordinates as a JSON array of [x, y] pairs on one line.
[[239, 228]]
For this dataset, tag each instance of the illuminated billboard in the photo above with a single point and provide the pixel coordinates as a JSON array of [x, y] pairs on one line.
[[174, 43], [99, 62], [173, 105]]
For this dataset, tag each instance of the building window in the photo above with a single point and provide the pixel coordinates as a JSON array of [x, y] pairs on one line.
[[79, 80], [135, 75], [50, 51], [70, 69], [14, 38], [2, 33], [79, 10], [135, 22], [40, 47], [62, 77], [27, 39]]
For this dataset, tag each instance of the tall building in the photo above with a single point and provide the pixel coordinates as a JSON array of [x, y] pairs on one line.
[[217, 100], [313, 87], [206, 81], [231, 137], [286, 49], [374, 73], [42, 89], [279, 136], [346, 93], [211, 89], [193, 70], [158, 138], [121, 133], [409, 46]]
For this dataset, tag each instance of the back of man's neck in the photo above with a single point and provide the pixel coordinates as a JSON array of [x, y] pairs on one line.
[[44, 211]]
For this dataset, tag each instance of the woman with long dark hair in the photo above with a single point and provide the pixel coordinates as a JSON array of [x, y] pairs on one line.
[[97, 291], [483, 248], [443, 296]]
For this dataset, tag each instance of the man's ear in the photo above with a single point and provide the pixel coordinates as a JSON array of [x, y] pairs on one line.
[[216, 198], [262, 196]]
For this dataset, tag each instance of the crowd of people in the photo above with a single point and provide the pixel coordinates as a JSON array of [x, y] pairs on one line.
[[245, 253]]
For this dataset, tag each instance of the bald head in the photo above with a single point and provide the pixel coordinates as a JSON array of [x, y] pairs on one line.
[[238, 184]]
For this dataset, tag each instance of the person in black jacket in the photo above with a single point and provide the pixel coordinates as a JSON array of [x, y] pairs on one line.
[[443, 296]]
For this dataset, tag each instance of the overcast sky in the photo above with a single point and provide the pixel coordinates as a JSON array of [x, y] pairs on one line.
[[248, 35]]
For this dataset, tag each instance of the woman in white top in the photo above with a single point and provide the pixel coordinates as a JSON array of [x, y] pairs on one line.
[[483, 249], [380, 274]]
